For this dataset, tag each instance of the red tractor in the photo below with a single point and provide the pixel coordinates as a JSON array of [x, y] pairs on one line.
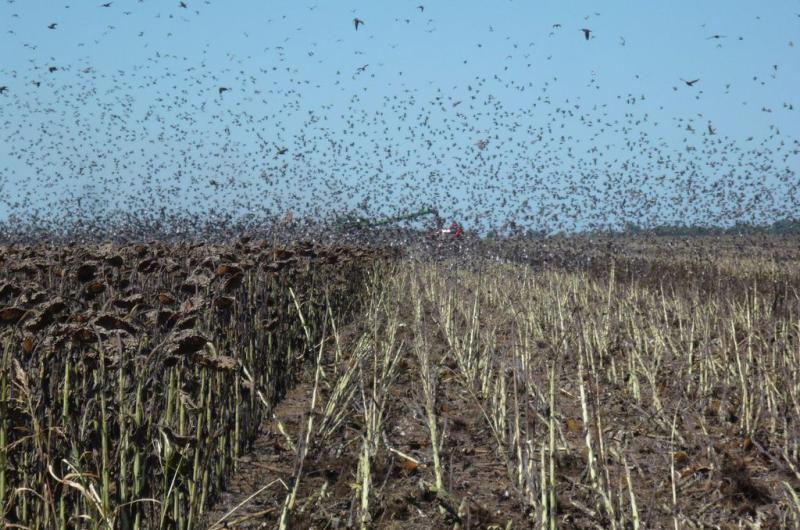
[[453, 232]]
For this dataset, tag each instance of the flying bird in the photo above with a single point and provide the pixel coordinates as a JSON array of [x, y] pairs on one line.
[[717, 37], [53, 25], [438, 143]]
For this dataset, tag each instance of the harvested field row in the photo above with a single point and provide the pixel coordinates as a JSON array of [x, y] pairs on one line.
[[503, 397]]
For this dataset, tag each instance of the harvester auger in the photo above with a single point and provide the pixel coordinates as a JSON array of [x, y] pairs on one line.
[[353, 222]]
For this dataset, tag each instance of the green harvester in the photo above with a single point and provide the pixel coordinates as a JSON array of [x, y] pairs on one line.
[[349, 222]]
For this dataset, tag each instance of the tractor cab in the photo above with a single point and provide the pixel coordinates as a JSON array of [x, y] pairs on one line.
[[454, 231]]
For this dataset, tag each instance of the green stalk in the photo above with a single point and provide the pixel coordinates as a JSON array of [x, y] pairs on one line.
[[543, 482], [138, 482], [211, 451], [124, 446], [167, 449], [4, 422], [236, 422], [193, 506], [104, 436], [177, 511], [552, 450]]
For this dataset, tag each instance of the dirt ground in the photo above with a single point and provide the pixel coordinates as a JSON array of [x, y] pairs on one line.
[[328, 494]]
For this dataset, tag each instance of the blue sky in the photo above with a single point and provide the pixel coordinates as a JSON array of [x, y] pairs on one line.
[[133, 118]]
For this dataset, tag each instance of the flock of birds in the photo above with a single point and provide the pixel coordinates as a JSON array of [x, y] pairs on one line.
[[168, 146]]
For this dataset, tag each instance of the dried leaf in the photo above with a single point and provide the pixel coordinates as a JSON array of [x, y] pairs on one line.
[[218, 362], [108, 321], [86, 272], [11, 315], [232, 283], [166, 298], [186, 342], [21, 376], [409, 465], [574, 425]]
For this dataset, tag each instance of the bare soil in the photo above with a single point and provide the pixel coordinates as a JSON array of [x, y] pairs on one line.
[[474, 474]]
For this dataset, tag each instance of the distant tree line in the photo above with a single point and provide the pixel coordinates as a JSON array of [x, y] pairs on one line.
[[783, 227]]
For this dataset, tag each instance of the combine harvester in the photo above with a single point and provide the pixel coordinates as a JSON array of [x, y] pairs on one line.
[[354, 223]]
